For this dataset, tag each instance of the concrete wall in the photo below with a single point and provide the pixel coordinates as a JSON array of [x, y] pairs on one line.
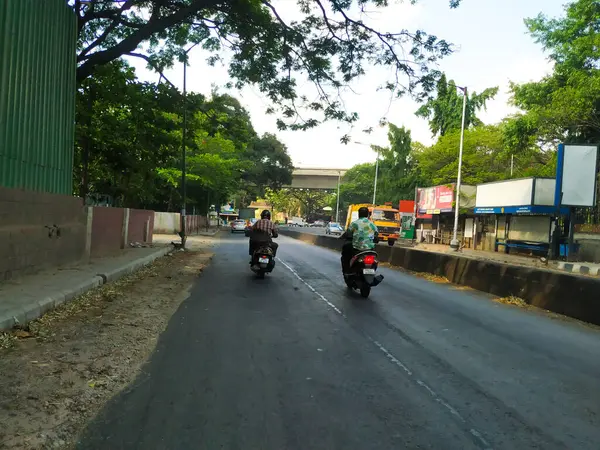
[[107, 231], [167, 223], [113, 229], [590, 247], [563, 293], [170, 223], [141, 225], [39, 230]]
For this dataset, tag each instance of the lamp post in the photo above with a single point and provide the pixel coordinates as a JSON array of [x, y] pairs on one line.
[[337, 207], [454, 243], [375, 183], [184, 58], [376, 169]]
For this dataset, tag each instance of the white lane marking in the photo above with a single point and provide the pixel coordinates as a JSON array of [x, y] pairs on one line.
[[476, 434]]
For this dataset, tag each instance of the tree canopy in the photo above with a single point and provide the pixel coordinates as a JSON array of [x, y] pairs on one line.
[[444, 112], [129, 145], [330, 43], [564, 106]]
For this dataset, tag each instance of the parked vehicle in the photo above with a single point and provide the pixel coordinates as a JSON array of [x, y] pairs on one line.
[[386, 218], [318, 223], [297, 222], [263, 261], [334, 228], [238, 225]]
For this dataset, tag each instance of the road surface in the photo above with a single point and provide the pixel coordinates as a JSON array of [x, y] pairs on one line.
[[297, 362]]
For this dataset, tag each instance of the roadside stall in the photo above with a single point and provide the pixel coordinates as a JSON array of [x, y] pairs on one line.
[[435, 212], [523, 213]]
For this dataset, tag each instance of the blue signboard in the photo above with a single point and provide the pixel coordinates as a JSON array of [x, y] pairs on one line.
[[527, 209]]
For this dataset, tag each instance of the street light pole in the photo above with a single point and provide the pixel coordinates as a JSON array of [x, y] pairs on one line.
[[454, 243], [183, 162], [375, 184], [337, 207], [183, 150]]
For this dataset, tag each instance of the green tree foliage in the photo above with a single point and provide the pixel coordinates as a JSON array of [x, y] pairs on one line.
[[444, 112], [564, 106], [129, 137], [396, 181], [357, 185], [282, 201], [328, 42]]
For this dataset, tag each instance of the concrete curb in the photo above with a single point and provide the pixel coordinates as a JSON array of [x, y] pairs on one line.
[[563, 293], [132, 266], [36, 308], [579, 268]]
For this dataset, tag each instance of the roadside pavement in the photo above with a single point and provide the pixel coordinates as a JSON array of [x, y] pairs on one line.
[[29, 297]]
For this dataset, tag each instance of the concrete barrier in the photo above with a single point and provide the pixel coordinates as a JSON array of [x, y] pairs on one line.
[[562, 293]]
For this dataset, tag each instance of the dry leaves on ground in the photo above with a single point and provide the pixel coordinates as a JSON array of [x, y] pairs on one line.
[[57, 372]]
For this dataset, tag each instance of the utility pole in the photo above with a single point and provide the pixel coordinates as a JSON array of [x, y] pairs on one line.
[[183, 149], [337, 207], [375, 184], [512, 164], [455, 244]]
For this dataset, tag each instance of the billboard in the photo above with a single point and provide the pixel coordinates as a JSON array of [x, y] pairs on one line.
[[435, 200], [579, 172]]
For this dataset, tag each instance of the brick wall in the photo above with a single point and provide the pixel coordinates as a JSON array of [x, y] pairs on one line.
[[107, 231], [137, 225], [39, 230]]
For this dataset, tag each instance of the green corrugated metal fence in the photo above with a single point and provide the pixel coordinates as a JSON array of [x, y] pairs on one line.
[[37, 95]]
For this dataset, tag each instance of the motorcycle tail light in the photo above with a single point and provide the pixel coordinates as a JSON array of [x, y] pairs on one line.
[[369, 259]]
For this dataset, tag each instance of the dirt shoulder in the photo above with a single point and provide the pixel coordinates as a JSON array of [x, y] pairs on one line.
[[57, 373]]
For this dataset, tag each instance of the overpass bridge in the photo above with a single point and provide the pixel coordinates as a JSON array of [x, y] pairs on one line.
[[316, 178]]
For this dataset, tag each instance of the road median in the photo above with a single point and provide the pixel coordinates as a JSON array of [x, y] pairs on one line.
[[563, 293]]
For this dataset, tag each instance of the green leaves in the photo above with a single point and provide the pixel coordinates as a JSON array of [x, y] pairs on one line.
[[445, 111], [565, 106], [328, 43], [129, 144]]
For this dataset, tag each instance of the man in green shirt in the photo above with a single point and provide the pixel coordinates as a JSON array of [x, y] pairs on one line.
[[363, 233]]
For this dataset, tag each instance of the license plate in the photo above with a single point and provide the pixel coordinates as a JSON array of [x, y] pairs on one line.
[[369, 271], [263, 260]]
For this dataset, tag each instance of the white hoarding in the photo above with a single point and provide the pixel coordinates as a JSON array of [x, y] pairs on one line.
[[579, 175], [505, 193], [544, 191], [530, 228]]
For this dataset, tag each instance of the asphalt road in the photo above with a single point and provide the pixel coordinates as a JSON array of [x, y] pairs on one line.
[[295, 361]]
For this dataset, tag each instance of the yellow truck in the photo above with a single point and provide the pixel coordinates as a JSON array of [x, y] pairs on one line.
[[386, 219]]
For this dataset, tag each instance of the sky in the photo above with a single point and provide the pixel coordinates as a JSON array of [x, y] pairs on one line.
[[492, 48]]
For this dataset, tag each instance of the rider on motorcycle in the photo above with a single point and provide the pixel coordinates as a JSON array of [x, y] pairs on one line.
[[262, 233], [363, 233]]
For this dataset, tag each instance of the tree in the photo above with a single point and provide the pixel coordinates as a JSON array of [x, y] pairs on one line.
[[327, 43], [396, 180], [357, 185], [444, 112], [125, 129], [129, 136], [272, 167], [283, 201], [485, 159], [564, 106]]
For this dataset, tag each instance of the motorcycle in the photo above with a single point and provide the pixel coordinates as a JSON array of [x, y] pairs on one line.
[[363, 272], [263, 261]]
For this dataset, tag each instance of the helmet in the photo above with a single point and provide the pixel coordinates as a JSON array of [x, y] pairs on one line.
[[363, 212], [266, 214]]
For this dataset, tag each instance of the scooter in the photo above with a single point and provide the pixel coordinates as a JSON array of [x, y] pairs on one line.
[[263, 261], [363, 272]]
